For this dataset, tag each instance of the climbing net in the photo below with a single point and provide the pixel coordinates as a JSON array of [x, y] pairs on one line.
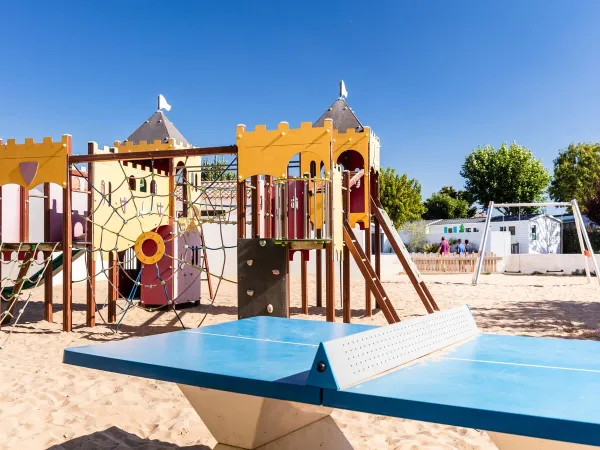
[[161, 229], [162, 226]]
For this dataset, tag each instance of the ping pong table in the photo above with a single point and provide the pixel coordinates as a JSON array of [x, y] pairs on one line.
[[271, 383]]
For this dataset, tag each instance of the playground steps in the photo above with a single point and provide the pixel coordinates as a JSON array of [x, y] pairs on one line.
[[371, 278], [402, 253]]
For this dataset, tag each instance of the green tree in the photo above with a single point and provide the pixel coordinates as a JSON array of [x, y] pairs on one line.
[[576, 170], [508, 174], [400, 196], [417, 235], [448, 203], [215, 169]]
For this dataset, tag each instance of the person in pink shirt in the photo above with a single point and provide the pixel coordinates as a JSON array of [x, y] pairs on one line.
[[444, 248]]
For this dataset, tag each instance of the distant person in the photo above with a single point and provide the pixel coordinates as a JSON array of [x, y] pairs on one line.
[[460, 248], [444, 247], [469, 247]]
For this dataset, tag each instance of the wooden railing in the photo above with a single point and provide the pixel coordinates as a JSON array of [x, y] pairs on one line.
[[435, 263]]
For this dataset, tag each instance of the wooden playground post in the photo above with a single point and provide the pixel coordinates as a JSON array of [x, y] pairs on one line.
[[319, 269], [268, 216], [90, 255], [346, 252], [113, 285], [377, 226], [67, 239], [304, 282], [241, 209], [368, 304], [172, 212], [24, 214], [255, 200], [330, 263], [48, 291]]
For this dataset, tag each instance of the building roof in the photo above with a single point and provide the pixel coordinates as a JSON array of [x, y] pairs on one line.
[[516, 218], [158, 128], [460, 221], [342, 115]]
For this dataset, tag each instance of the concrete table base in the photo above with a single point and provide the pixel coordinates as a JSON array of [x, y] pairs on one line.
[[239, 421]]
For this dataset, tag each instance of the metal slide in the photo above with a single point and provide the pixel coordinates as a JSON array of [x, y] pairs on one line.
[[402, 253]]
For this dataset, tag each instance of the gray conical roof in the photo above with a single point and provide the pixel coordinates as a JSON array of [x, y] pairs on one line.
[[158, 128], [343, 117]]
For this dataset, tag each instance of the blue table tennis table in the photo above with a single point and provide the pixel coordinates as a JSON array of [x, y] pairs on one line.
[[271, 383]]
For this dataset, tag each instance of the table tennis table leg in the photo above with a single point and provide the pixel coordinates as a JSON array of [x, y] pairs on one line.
[[515, 442], [239, 421]]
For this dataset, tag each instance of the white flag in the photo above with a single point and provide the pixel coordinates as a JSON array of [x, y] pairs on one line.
[[343, 91], [162, 103]]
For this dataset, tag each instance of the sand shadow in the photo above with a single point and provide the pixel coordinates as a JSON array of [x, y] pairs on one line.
[[116, 438], [550, 318]]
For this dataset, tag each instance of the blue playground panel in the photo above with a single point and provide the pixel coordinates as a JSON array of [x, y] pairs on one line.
[[539, 387]]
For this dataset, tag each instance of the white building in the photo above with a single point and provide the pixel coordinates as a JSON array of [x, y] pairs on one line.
[[529, 233]]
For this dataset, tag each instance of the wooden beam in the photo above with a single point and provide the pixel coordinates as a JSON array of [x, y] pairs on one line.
[[255, 206], [369, 275], [304, 282], [268, 198], [42, 246], [48, 291], [113, 286], [330, 265], [368, 302], [346, 309], [429, 303], [67, 238], [241, 209], [156, 154], [24, 213], [319, 268], [90, 317]]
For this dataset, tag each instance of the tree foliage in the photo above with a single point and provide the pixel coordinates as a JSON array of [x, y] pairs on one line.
[[417, 235], [448, 203], [591, 203], [400, 196], [576, 170], [508, 174], [215, 169]]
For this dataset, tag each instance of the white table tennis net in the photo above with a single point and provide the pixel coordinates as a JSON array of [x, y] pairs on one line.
[[360, 356]]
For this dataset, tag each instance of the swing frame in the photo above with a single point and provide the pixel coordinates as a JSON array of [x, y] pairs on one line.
[[584, 239]]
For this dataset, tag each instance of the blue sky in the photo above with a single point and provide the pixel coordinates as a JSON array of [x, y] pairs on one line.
[[433, 78]]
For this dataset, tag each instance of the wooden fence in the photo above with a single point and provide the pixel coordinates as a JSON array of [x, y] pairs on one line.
[[435, 263]]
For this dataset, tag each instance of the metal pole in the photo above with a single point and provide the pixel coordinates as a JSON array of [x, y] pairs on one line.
[[587, 239], [581, 243], [526, 205], [481, 256]]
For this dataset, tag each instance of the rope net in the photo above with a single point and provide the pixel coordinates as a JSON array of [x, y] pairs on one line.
[[161, 220]]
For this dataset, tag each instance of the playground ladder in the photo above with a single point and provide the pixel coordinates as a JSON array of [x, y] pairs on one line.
[[371, 278], [402, 253]]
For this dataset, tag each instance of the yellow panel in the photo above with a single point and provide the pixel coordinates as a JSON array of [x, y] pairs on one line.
[[118, 229], [50, 156], [143, 146], [360, 142], [268, 152]]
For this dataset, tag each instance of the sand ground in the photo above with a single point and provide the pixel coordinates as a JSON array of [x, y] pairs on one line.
[[45, 404]]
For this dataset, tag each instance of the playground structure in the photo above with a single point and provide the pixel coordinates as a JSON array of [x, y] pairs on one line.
[[299, 190]]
